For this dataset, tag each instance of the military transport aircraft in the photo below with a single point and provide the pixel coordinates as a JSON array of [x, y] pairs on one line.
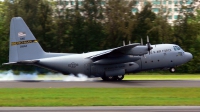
[[111, 64]]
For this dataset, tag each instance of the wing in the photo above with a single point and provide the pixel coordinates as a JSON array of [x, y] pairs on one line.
[[121, 54], [117, 51]]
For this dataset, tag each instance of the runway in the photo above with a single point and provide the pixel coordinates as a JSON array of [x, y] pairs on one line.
[[104, 109], [99, 84]]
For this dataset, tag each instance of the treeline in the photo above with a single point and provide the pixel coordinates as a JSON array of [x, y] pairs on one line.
[[95, 25]]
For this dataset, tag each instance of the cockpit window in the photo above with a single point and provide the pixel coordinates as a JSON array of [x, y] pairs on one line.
[[176, 48]]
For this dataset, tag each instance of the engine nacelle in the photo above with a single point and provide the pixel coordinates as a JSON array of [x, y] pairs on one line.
[[116, 60], [131, 67], [138, 50]]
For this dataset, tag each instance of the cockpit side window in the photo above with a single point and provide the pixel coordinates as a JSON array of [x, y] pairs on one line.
[[174, 48], [178, 48]]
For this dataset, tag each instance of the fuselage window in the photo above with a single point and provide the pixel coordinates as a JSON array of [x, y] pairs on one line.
[[158, 51]]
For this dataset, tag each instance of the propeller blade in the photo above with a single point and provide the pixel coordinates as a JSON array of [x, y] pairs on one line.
[[147, 39], [123, 43], [141, 41], [149, 45]]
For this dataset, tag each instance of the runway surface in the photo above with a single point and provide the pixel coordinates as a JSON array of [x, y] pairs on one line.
[[104, 109], [99, 84]]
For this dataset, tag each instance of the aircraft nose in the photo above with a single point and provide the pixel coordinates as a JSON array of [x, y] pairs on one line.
[[188, 56]]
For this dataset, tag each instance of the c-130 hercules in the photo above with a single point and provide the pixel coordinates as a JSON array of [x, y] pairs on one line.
[[111, 64]]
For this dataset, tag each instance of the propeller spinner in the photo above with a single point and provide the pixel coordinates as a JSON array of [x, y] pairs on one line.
[[141, 41], [148, 44]]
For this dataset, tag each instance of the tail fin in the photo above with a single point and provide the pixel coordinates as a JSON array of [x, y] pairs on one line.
[[23, 45]]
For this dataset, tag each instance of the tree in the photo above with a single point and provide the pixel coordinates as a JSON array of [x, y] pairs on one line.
[[119, 22], [187, 35], [93, 30], [3, 34], [85, 31], [37, 15], [161, 31], [145, 21]]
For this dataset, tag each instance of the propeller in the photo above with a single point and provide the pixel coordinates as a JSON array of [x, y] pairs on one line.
[[148, 45], [141, 41], [124, 43]]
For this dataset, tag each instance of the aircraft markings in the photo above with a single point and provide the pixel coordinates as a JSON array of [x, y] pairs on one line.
[[24, 42]]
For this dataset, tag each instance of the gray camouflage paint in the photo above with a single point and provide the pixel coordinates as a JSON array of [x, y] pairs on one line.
[[24, 49]]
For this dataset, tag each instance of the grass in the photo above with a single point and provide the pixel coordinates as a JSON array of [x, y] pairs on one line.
[[137, 76], [162, 77], [99, 96]]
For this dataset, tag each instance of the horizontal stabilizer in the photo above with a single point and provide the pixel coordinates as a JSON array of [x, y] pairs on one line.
[[22, 62]]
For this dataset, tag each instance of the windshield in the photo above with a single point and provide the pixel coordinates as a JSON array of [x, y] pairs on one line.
[[176, 48]]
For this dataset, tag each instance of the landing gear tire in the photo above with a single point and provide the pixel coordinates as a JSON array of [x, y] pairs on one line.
[[109, 78], [104, 78], [172, 70], [119, 77], [113, 78]]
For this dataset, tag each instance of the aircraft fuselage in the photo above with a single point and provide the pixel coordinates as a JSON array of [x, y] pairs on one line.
[[161, 56], [110, 64]]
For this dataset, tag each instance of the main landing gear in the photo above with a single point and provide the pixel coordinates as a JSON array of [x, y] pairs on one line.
[[113, 78], [172, 70]]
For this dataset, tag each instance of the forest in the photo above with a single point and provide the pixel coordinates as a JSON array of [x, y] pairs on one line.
[[95, 25]]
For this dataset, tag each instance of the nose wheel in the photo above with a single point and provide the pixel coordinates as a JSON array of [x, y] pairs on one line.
[[172, 70], [113, 78]]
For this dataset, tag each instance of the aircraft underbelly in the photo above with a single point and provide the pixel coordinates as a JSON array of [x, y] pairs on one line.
[[67, 65]]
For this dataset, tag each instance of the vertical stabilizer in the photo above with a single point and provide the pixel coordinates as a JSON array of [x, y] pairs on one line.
[[22, 45]]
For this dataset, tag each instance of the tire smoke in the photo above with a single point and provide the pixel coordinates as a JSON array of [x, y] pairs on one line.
[[10, 76]]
